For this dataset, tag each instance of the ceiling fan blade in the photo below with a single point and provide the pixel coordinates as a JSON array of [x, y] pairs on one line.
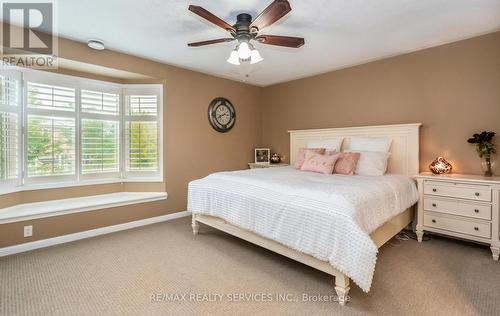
[[215, 41], [211, 18], [286, 41], [271, 14]]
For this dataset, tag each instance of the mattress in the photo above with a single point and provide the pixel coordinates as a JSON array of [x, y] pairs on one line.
[[329, 217]]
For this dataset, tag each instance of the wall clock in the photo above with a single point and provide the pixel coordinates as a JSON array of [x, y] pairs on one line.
[[221, 114]]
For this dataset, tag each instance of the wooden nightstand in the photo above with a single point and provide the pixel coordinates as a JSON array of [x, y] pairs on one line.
[[254, 165], [460, 206]]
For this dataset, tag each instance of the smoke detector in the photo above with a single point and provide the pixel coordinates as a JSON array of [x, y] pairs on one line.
[[95, 44]]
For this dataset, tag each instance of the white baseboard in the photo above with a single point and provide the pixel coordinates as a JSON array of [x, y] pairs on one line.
[[88, 233]]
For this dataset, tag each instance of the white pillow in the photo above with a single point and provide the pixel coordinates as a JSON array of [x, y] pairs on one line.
[[372, 163], [379, 144], [330, 144]]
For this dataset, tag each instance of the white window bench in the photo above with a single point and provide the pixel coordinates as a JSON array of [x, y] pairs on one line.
[[29, 211]]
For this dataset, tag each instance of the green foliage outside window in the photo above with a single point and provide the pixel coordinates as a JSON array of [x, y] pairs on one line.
[[51, 146]]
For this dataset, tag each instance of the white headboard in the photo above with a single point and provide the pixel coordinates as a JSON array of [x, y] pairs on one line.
[[404, 149]]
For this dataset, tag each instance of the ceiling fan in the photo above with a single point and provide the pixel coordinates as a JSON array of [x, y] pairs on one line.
[[245, 30]]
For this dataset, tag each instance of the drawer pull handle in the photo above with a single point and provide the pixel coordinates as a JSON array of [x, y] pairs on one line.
[[434, 205], [433, 220], [476, 228], [434, 190], [476, 210], [477, 194]]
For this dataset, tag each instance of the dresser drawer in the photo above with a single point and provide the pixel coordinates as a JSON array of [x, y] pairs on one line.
[[458, 190], [458, 225], [461, 208]]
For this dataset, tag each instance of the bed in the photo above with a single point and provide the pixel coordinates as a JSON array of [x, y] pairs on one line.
[[333, 223]]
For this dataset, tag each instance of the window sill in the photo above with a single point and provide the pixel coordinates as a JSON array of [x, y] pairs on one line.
[[61, 185], [29, 211]]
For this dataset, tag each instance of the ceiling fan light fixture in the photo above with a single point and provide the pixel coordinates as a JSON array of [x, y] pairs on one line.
[[255, 57], [234, 58], [244, 51], [247, 29]]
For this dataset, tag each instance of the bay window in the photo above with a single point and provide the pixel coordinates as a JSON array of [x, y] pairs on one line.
[[59, 130]]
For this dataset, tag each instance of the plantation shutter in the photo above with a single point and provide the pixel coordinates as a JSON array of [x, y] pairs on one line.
[[142, 134], [100, 140], [143, 105], [51, 130], [142, 141], [42, 96], [100, 102], [51, 146], [9, 126]]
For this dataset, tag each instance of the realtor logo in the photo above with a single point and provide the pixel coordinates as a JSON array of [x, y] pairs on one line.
[[27, 34]]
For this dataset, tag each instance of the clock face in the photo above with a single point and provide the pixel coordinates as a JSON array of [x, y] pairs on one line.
[[221, 115]]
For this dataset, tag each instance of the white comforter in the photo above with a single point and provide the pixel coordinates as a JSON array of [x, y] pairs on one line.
[[327, 216]]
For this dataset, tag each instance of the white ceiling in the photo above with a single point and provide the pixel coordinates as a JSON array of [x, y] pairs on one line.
[[338, 33]]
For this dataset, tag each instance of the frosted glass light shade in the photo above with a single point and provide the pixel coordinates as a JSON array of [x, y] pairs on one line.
[[234, 58], [244, 51], [255, 57]]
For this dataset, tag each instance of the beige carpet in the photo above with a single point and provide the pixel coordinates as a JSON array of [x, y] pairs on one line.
[[118, 274]]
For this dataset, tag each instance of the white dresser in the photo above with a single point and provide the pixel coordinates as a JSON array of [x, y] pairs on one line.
[[460, 206]]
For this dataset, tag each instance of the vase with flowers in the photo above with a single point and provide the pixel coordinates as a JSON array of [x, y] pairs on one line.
[[486, 150]]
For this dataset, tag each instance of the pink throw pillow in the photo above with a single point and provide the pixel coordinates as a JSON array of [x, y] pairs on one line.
[[319, 163], [346, 163], [302, 155]]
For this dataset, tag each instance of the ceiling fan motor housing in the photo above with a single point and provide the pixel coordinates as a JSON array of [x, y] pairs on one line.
[[242, 27]]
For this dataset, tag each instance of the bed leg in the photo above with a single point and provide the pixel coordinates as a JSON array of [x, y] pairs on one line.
[[195, 225], [342, 288]]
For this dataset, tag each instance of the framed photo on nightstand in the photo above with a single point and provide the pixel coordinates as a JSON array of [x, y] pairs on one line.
[[262, 156]]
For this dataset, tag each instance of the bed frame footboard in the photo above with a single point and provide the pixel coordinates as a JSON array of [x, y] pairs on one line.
[[341, 281]]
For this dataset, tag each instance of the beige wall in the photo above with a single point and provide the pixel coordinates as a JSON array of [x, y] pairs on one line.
[[454, 90], [192, 148]]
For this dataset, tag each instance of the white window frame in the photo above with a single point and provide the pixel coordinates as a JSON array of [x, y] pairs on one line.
[[80, 179]]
